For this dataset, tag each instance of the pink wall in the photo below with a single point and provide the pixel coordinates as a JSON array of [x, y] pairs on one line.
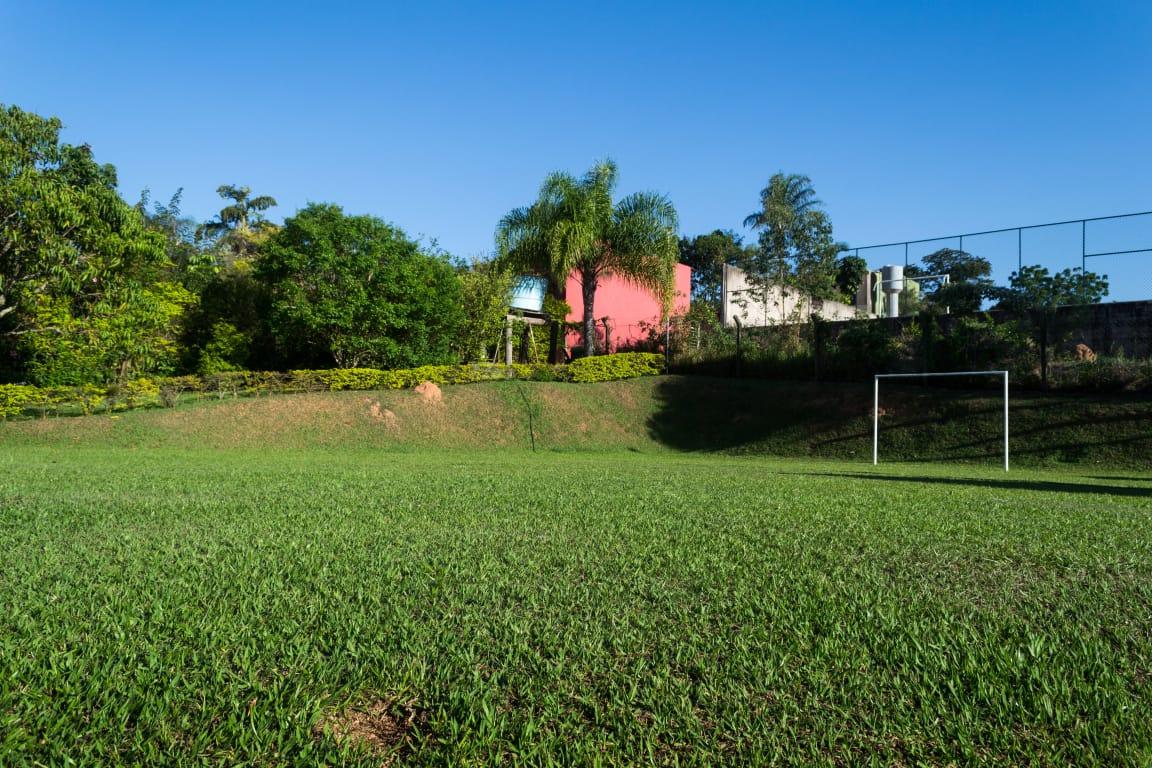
[[625, 306]]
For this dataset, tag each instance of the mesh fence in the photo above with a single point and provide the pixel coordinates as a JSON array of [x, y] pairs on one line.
[[1103, 347]]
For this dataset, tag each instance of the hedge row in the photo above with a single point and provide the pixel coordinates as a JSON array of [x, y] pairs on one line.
[[17, 399]]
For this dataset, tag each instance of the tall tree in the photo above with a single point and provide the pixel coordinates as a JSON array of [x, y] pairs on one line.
[[1033, 287], [969, 276], [797, 252], [241, 224], [355, 291], [78, 267], [191, 264], [707, 255], [574, 226]]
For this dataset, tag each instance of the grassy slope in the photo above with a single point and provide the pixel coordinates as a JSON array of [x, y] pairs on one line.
[[207, 607], [646, 415]]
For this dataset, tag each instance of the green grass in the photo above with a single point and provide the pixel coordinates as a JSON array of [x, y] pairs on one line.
[[651, 415], [210, 607]]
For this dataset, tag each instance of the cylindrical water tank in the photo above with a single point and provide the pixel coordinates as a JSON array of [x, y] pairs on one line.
[[892, 280], [528, 293]]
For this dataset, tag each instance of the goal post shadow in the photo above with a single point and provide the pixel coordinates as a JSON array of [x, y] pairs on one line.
[[876, 403]]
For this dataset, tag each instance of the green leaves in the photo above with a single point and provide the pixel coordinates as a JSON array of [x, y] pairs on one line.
[[574, 226], [355, 291]]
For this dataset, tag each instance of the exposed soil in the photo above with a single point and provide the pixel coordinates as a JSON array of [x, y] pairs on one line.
[[379, 726]]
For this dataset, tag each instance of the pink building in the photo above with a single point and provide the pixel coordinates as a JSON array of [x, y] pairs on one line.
[[632, 312]]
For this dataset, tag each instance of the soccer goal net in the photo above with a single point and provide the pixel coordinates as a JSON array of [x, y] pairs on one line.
[[876, 403]]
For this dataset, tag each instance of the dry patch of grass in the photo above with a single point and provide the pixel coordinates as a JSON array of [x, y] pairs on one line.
[[381, 727]]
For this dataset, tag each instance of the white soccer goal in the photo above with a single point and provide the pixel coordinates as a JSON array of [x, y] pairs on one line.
[[876, 403]]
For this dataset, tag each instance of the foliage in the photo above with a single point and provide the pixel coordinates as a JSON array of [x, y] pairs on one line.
[[969, 280], [864, 347], [14, 398], [850, 273], [188, 262], [574, 226], [485, 287], [358, 292], [1033, 287], [226, 350], [797, 252], [123, 335], [240, 228], [225, 382], [980, 343], [707, 255], [67, 239], [625, 365]]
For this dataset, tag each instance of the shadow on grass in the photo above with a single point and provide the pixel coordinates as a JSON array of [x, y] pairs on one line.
[[1015, 485], [834, 420]]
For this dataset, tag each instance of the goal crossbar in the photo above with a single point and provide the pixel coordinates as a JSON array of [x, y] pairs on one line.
[[876, 403]]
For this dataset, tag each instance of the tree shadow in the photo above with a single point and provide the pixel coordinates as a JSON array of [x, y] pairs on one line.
[[834, 420], [1018, 485]]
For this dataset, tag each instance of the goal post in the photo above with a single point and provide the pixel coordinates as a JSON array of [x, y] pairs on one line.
[[876, 403]]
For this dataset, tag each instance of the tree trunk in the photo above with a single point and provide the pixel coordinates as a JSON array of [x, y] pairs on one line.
[[555, 324], [588, 278]]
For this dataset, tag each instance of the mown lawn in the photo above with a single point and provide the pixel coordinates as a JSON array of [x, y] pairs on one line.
[[233, 607]]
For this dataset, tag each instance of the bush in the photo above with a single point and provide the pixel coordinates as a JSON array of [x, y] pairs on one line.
[[166, 391], [626, 365], [14, 398]]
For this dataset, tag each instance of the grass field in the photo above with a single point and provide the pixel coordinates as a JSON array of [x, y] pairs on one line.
[[240, 606]]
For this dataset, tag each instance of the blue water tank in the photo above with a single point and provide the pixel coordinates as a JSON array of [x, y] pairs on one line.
[[528, 293]]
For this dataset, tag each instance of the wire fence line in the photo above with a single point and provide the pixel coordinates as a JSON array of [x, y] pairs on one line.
[[1056, 245]]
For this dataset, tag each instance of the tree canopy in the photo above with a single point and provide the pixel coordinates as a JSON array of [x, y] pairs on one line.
[[707, 255], [970, 281], [1033, 287], [355, 291], [797, 250], [574, 226]]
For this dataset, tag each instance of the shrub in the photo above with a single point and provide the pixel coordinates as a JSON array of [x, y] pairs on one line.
[[17, 399], [626, 365], [14, 398]]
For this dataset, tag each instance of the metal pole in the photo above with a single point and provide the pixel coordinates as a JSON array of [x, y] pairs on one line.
[[1019, 249], [1005, 421], [1083, 247], [875, 420], [905, 254]]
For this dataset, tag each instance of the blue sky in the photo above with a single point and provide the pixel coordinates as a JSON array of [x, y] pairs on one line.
[[913, 119]]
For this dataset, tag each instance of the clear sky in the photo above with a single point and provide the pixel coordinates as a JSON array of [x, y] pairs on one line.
[[914, 119]]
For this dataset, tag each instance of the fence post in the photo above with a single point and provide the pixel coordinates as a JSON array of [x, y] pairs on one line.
[[1044, 349], [739, 349], [817, 347]]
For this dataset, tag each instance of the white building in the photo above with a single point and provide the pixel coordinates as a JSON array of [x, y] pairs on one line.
[[756, 307]]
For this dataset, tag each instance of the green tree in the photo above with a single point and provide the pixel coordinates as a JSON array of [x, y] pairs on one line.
[[192, 265], [707, 255], [355, 291], [574, 226], [240, 227], [797, 250], [970, 281], [64, 230], [485, 288], [850, 273], [1033, 287], [80, 273]]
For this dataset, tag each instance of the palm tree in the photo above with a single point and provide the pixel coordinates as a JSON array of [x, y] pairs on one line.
[[792, 227], [574, 227], [240, 221]]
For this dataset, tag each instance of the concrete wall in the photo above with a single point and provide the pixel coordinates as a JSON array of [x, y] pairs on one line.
[[1122, 327], [757, 308]]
